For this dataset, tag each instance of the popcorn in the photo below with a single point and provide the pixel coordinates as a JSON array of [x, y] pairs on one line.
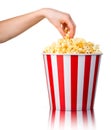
[[69, 45]]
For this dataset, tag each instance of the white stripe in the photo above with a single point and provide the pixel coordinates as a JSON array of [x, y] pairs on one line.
[[89, 118], [80, 120], [67, 119], [67, 83], [47, 78], [80, 82], [55, 80], [91, 79], [57, 120], [50, 115], [97, 76]]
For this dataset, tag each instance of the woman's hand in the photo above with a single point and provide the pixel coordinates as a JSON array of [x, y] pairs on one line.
[[61, 21], [13, 27]]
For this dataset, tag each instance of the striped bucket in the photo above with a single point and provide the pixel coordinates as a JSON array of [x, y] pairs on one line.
[[71, 80]]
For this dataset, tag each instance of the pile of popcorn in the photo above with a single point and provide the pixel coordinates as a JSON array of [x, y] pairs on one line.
[[69, 45]]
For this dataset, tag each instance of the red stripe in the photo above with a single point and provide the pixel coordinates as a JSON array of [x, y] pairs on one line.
[[73, 118], [92, 116], [53, 112], [46, 80], [74, 70], [95, 80], [60, 66], [51, 81], [86, 81], [62, 118], [85, 117]]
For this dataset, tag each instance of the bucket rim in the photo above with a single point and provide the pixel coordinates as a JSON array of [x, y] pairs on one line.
[[72, 54]]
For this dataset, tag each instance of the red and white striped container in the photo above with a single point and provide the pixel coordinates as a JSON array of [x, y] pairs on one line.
[[71, 80]]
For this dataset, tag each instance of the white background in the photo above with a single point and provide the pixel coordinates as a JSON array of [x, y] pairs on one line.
[[23, 93]]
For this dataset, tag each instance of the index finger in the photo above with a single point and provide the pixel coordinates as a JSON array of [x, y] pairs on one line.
[[71, 26]]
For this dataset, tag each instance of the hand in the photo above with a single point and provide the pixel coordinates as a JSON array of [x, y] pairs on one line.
[[13, 27], [61, 21]]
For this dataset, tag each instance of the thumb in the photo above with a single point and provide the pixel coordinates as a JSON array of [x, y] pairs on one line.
[[61, 29]]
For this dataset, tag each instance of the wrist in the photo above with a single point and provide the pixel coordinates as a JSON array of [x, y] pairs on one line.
[[44, 12], [39, 14]]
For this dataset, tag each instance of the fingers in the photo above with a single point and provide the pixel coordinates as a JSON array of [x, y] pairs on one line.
[[66, 27], [61, 29], [61, 21], [72, 28], [69, 26]]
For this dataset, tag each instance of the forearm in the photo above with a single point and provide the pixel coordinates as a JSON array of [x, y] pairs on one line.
[[14, 26]]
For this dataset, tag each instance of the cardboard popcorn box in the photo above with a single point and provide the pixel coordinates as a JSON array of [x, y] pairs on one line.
[[71, 80]]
